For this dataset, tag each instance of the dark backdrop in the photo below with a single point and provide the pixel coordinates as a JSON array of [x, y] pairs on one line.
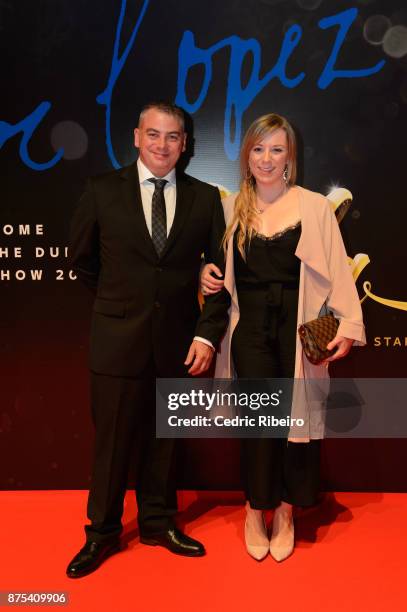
[[74, 77]]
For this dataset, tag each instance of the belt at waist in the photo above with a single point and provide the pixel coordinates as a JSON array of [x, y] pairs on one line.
[[273, 301], [264, 286]]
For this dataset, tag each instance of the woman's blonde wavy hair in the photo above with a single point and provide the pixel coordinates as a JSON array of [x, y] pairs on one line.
[[245, 212]]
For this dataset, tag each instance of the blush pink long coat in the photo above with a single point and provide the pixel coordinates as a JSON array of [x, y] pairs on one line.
[[325, 275]]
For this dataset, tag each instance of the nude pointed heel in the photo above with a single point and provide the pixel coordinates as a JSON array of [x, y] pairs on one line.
[[257, 546], [282, 538]]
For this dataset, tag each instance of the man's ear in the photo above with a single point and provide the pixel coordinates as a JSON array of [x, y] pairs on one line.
[[184, 144], [136, 138]]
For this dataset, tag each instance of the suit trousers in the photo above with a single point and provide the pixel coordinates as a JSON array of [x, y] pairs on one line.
[[123, 411]]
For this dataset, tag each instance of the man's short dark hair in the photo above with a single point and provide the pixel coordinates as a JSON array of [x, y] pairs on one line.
[[164, 107]]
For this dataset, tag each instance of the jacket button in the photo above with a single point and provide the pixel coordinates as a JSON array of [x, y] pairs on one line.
[[157, 304]]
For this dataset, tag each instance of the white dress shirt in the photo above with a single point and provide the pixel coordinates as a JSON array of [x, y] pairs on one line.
[[170, 197]]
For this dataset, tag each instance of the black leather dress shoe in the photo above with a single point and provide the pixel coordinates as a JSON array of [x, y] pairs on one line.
[[176, 541], [90, 557]]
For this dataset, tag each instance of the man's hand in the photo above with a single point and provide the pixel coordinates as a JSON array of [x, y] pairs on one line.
[[209, 283], [344, 345], [200, 355]]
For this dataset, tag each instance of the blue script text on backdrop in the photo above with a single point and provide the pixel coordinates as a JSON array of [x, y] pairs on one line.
[[238, 99]]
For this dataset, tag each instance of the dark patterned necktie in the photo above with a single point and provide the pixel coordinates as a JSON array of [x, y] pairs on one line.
[[158, 215]]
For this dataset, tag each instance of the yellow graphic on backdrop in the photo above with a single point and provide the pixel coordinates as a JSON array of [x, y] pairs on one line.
[[341, 199]]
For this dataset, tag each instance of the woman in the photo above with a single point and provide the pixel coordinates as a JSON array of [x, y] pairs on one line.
[[285, 259]]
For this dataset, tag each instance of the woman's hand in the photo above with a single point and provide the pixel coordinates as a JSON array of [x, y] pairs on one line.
[[343, 347], [209, 283]]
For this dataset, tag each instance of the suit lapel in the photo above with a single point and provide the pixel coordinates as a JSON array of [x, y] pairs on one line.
[[185, 198], [132, 197]]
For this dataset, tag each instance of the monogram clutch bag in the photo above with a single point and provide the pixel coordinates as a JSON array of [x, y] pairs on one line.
[[315, 335]]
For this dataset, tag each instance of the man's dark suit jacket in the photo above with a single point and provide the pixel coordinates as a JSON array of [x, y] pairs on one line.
[[146, 306]]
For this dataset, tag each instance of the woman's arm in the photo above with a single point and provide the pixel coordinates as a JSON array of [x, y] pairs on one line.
[[343, 299]]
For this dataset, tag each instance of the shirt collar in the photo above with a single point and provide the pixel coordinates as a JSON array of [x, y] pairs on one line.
[[144, 174]]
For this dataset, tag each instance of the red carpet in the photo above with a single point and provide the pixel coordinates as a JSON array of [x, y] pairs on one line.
[[350, 554]]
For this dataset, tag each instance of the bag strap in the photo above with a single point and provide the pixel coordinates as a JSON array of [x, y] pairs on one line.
[[324, 310]]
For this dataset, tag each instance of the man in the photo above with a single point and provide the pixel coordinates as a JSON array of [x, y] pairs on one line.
[[137, 237]]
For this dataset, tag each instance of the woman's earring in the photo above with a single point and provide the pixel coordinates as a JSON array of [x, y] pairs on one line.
[[285, 174]]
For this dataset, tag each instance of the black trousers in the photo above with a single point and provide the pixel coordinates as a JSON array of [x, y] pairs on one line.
[[273, 469], [123, 411]]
